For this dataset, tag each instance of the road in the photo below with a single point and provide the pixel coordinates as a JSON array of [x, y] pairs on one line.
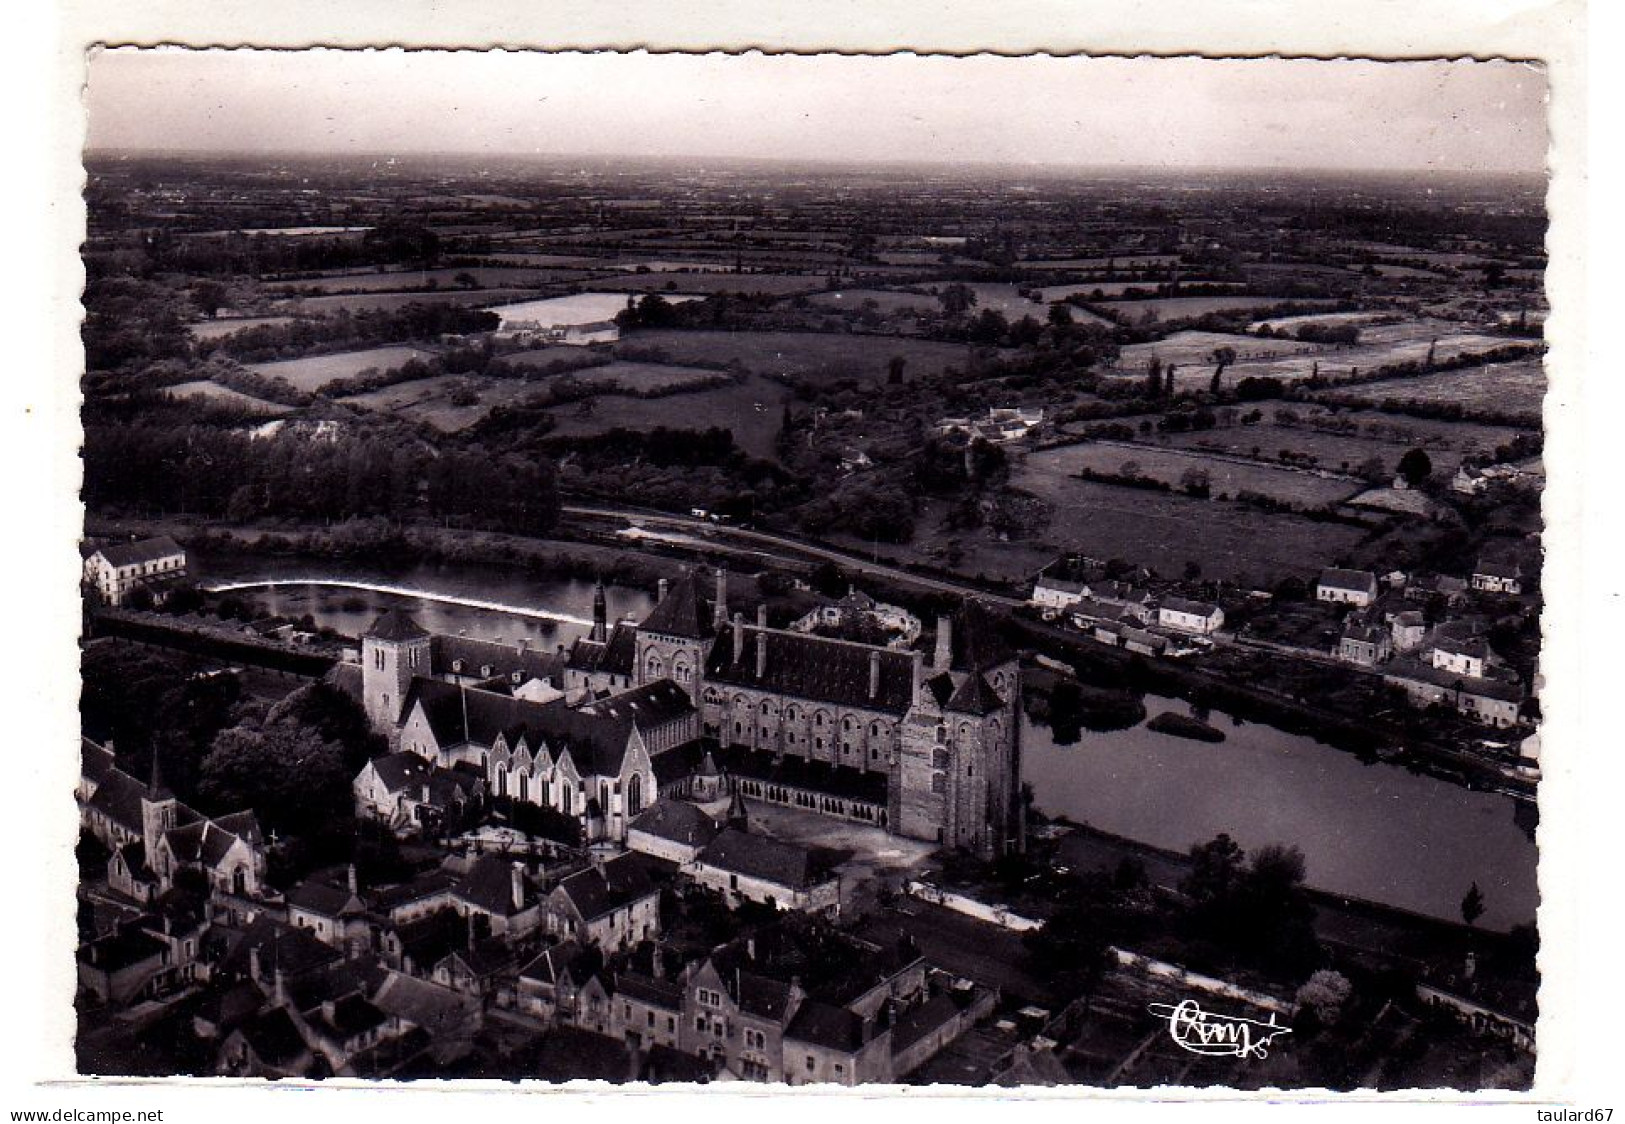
[[705, 529]]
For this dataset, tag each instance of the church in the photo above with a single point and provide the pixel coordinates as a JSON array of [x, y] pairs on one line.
[[925, 745]]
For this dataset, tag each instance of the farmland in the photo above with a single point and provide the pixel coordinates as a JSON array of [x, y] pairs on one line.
[[886, 301], [798, 353], [1198, 347], [431, 400], [1171, 465], [218, 329], [316, 371], [1513, 388], [373, 302], [215, 393], [1375, 435], [1226, 539], [770, 284], [1184, 308], [483, 277], [751, 408]]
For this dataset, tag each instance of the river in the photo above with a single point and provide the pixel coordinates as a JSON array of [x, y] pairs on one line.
[[1374, 831]]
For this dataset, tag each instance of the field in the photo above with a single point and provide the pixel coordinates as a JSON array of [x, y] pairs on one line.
[[1184, 308], [770, 284], [1124, 261], [1515, 388], [1380, 345], [317, 370], [800, 353], [371, 302], [216, 329], [1382, 436], [1106, 289], [752, 409], [1169, 465], [214, 392], [1165, 532], [643, 377], [886, 301], [429, 400], [486, 277], [1004, 300], [1319, 319], [1186, 348]]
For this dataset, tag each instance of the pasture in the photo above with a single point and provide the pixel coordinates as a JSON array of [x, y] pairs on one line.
[[1185, 308], [315, 371], [219, 329], [1518, 387], [1197, 348], [1377, 436], [485, 277], [1124, 261], [886, 302], [430, 400], [706, 284], [374, 302], [213, 392], [799, 353], [752, 409], [1227, 478], [1381, 345], [1227, 540]]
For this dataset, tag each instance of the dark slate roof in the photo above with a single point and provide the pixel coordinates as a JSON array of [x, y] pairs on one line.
[[125, 947], [487, 958], [918, 1021], [316, 896], [757, 995], [401, 770], [824, 1024], [352, 1015], [208, 841], [569, 1053], [677, 821], [118, 797], [274, 1038], [653, 704], [1416, 671], [396, 626], [138, 553], [798, 772], [347, 677], [647, 989], [815, 668], [488, 885], [1194, 608], [602, 889], [596, 743], [1362, 580], [978, 642], [423, 886], [975, 696], [503, 659], [95, 761], [566, 960], [1492, 568], [615, 656], [685, 610], [772, 860], [428, 940], [293, 949]]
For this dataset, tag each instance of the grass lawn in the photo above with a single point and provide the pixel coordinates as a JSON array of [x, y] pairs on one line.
[[215, 329], [214, 392], [752, 409], [1169, 465], [1516, 387], [486, 277]]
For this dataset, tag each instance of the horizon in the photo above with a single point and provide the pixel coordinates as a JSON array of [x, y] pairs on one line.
[[1028, 112]]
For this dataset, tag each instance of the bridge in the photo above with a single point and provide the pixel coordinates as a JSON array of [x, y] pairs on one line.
[[402, 591]]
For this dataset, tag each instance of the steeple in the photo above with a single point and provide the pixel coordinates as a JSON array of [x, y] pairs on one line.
[[600, 613], [737, 815], [157, 787]]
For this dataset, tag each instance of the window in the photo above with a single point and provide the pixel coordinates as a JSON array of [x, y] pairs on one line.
[[939, 783], [812, 1063], [378, 659]]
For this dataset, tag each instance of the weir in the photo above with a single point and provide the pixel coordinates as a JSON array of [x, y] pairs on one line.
[[402, 591]]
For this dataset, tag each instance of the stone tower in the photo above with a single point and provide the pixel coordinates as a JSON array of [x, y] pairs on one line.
[[957, 776], [394, 649], [600, 614], [675, 638], [158, 808]]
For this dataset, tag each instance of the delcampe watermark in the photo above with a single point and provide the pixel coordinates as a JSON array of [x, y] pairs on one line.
[[1216, 1035]]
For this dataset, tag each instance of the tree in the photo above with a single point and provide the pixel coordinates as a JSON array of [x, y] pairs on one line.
[[956, 299], [1215, 869], [293, 779], [1472, 904], [1415, 466], [209, 296], [1325, 993]]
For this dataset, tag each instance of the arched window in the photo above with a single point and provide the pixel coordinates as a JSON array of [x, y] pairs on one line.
[[654, 666], [524, 786], [239, 881], [634, 795]]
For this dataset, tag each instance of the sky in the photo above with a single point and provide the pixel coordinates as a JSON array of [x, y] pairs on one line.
[[1095, 112]]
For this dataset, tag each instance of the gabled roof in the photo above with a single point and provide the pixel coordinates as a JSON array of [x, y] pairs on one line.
[[128, 945], [293, 949], [396, 626], [459, 715], [602, 889], [95, 761], [474, 654], [423, 1004], [771, 860], [975, 696], [118, 797], [825, 1024], [653, 704], [488, 886], [615, 656], [647, 989], [315, 896], [352, 1015], [799, 772], [1493, 569], [140, 553], [815, 668], [1193, 608], [759, 996], [677, 821], [274, 1038], [566, 960], [1359, 581], [685, 610]]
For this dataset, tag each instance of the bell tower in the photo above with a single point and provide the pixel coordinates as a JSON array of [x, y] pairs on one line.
[[394, 651]]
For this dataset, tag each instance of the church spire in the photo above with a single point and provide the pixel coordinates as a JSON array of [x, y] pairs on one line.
[[738, 816], [157, 787], [600, 612]]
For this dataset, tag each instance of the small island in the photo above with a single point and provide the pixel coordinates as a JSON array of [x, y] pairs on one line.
[[1184, 726]]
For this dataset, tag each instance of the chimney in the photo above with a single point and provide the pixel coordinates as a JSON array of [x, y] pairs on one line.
[[662, 589], [279, 987], [750, 949], [761, 615], [352, 880], [254, 970], [658, 962], [761, 654], [469, 916], [425, 792], [518, 886], [719, 611], [917, 670], [524, 644], [874, 675], [739, 636], [945, 643]]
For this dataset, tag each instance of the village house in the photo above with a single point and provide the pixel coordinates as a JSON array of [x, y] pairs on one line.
[[1364, 643], [1408, 629], [673, 830], [550, 984], [1064, 582], [413, 796], [1497, 577], [498, 892], [1347, 587], [1198, 618], [646, 1011], [746, 867], [114, 572], [612, 904], [1493, 700]]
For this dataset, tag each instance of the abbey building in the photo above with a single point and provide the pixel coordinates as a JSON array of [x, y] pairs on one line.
[[922, 743]]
